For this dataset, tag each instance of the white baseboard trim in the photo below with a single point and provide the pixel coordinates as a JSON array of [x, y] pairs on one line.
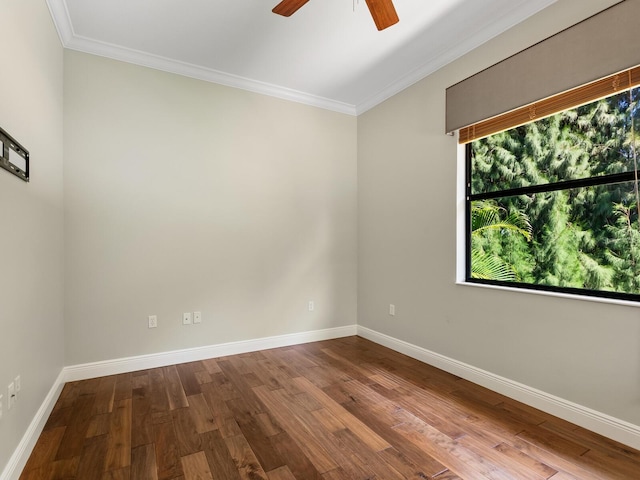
[[18, 460], [154, 360], [606, 425]]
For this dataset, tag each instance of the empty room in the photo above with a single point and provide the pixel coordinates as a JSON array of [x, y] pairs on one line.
[[319, 240]]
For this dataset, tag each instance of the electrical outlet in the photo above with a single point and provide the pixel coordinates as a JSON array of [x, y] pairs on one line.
[[186, 318], [11, 397], [312, 306], [1, 407], [18, 383], [392, 309], [197, 317], [153, 321]]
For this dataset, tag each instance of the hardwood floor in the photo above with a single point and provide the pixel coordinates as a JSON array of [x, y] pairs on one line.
[[344, 409]]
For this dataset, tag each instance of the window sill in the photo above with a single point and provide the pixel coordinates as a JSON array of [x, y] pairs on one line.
[[611, 301]]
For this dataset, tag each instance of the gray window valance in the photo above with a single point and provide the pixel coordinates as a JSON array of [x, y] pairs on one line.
[[597, 47]]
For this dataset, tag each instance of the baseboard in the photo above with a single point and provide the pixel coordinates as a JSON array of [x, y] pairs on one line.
[[143, 362], [606, 425], [18, 460]]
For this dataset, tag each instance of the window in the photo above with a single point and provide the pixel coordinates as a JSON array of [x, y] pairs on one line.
[[554, 204]]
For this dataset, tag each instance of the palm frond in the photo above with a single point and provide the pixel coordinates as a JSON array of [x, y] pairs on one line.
[[491, 267], [488, 216]]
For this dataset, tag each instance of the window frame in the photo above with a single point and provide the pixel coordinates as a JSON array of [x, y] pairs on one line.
[[470, 197]]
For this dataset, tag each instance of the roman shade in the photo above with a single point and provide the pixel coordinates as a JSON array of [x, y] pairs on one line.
[[598, 47]]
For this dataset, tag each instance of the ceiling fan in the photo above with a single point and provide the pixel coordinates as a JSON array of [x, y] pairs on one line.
[[383, 12]]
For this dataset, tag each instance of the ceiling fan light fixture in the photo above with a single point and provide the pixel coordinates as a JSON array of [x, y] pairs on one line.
[[383, 12], [286, 8]]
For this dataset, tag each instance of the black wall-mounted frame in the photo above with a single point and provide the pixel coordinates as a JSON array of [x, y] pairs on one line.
[[14, 157]]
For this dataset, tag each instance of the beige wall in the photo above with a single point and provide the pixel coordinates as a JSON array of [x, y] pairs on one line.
[[582, 351], [182, 195], [31, 219]]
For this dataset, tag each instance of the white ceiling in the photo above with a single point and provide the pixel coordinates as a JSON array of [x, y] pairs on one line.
[[328, 54]]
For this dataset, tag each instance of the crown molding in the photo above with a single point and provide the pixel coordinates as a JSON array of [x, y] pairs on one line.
[[72, 41], [61, 20]]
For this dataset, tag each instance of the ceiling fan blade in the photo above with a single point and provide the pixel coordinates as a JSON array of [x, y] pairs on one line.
[[286, 8], [383, 13]]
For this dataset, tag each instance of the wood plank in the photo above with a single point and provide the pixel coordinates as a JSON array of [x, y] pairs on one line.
[[405, 466], [158, 395], [448, 475], [555, 459], [297, 462], [167, 453], [282, 473], [140, 379], [143, 463], [59, 417], [368, 436], [563, 476], [328, 420], [268, 424], [186, 433], [123, 473], [364, 459], [64, 469], [195, 467], [124, 387], [522, 470], [223, 388], [89, 387], [99, 425], [592, 440], [446, 451], [543, 471], [553, 443], [242, 388], [142, 426], [188, 378], [68, 396], [425, 463], [203, 377], [105, 395], [175, 391], [299, 432], [75, 433], [611, 465], [56, 470], [46, 448], [336, 474], [93, 457], [201, 415], [246, 462], [254, 435], [119, 437], [218, 406], [211, 366], [218, 456]]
